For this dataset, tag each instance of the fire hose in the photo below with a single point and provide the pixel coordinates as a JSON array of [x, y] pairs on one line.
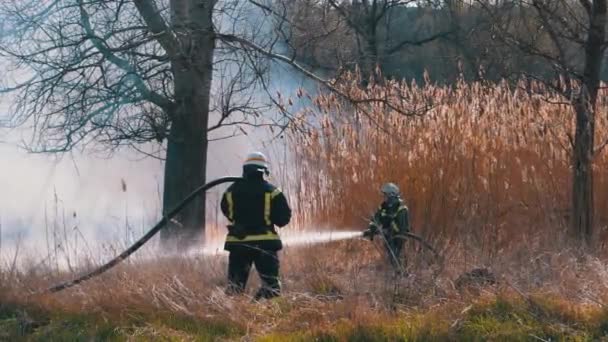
[[408, 235], [122, 256]]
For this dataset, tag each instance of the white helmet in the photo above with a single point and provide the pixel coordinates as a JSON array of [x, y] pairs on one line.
[[390, 190], [257, 159]]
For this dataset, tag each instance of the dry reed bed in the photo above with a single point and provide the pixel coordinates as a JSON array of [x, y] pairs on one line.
[[484, 168]]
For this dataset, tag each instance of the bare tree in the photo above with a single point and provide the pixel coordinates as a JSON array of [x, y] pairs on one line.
[[127, 72], [571, 37]]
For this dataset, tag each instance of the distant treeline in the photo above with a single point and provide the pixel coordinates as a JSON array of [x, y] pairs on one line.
[[489, 40]]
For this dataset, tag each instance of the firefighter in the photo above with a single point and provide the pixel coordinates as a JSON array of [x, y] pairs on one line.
[[391, 221], [254, 207]]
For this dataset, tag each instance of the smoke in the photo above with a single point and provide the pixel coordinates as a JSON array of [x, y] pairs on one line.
[[115, 198]]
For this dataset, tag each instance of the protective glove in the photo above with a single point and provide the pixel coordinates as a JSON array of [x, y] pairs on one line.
[[369, 234], [237, 231]]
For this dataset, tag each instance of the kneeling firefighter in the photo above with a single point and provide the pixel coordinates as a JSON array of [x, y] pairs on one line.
[[391, 221], [253, 206]]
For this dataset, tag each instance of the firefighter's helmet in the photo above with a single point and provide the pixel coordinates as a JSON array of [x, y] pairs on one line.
[[256, 161], [390, 190]]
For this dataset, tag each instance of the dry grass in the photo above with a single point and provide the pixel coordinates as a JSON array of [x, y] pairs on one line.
[[338, 291]]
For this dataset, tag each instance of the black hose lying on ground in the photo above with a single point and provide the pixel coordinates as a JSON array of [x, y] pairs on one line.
[[144, 239], [419, 239], [424, 243]]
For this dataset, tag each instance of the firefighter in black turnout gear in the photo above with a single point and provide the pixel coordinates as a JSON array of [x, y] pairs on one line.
[[254, 207], [391, 221]]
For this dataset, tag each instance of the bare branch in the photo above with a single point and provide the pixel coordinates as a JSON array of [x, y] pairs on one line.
[[151, 15], [419, 42], [101, 46], [587, 5]]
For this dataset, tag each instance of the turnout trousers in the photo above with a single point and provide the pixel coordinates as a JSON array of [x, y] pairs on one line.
[[266, 263], [394, 250]]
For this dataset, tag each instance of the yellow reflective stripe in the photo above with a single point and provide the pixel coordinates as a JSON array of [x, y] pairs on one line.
[[400, 209], [394, 225], [275, 193], [230, 206], [259, 237], [267, 205]]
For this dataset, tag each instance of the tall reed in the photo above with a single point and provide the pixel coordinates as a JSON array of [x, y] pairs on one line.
[[484, 166]]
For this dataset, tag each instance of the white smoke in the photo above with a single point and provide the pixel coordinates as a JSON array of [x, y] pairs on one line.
[[81, 193]]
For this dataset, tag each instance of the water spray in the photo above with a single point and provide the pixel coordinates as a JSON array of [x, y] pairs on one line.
[[314, 238], [290, 239]]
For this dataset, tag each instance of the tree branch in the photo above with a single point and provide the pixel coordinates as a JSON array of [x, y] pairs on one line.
[[348, 19], [246, 44], [403, 43], [101, 46], [587, 5], [552, 33], [150, 14]]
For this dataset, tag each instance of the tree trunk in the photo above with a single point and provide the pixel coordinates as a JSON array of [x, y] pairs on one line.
[[584, 106], [371, 59], [186, 159], [582, 186]]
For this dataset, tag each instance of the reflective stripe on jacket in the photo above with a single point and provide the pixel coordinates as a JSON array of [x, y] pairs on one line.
[[256, 206], [254, 237], [391, 220]]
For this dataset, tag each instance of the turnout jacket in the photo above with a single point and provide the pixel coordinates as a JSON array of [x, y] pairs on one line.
[[391, 220], [254, 207]]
